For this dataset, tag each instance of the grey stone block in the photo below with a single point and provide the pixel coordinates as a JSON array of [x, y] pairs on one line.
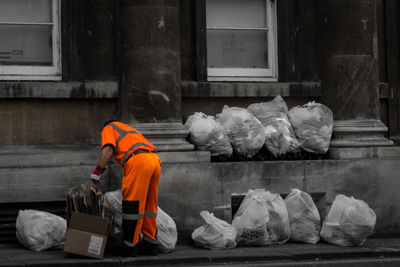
[[364, 152]]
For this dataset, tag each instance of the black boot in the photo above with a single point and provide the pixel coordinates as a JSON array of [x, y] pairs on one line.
[[128, 251], [148, 246]]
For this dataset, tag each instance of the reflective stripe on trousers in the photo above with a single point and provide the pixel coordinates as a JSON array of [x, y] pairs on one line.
[[129, 224], [140, 186]]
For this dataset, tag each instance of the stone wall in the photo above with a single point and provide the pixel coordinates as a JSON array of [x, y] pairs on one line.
[[187, 189], [53, 122], [44, 174]]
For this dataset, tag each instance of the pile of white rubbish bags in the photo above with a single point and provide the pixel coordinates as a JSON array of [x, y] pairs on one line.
[[270, 124], [264, 218], [39, 230]]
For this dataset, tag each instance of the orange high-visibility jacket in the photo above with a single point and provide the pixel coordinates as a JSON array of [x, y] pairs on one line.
[[125, 140]]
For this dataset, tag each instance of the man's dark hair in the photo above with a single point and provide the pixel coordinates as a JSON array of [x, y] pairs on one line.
[[108, 122]]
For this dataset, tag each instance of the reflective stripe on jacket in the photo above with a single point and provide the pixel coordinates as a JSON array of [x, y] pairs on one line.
[[125, 140]]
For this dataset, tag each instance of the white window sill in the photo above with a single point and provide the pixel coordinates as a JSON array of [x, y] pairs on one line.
[[30, 78], [242, 79]]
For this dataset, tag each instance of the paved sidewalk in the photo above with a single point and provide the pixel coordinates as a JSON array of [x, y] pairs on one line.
[[377, 252]]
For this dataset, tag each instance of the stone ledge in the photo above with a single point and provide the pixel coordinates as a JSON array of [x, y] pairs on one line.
[[167, 137], [359, 133], [364, 152], [244, 89], [87, 89], [67, 156], [185, 157]]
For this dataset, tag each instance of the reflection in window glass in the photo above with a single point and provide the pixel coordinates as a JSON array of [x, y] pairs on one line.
[[26, 45], [235, 13], [37, 11], [237, 49]]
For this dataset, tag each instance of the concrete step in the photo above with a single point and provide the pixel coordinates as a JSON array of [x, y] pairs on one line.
[[53, 156]]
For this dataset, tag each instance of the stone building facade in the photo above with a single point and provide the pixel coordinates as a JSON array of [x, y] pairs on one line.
[[152, 63]]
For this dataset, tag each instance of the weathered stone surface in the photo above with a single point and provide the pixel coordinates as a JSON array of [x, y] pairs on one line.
[[166, 137], [87, 89], [348, 66], [99, 46], [155, 27], [362, 178], [364, 152], [58, 122], [374, 181], [359, 133], [226, 89], [346, 27], [185, 156], [297, 49], [187, 188], [151, 88], [150, 62], [350, 86]]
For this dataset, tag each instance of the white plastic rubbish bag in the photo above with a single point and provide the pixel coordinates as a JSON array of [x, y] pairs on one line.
[[208, 135], [305, 222], [251, 220], [40, 230], [113, 200], [167, 233], [246, 133], [349, 222], [279, 135], [215, 233], [278, 226], [312, 124]]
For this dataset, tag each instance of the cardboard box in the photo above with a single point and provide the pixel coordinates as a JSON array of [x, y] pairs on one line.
[[87, 235]]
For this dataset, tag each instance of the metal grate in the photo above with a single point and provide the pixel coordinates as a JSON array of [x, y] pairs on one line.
[[9, 213]]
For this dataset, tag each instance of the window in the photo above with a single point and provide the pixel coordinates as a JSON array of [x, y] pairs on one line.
[[30, 40], [241, 40]]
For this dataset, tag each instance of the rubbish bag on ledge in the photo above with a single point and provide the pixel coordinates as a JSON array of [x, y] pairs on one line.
[[167, 234], [279, 135], [245, 131], [349, 222], [279, 225], [312, 124], [40, 230], [305, 222], [251, 220], [215, 233], [208, 135]]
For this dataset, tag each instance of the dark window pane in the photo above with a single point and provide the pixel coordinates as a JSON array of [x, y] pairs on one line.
[[26, 45], [237, 49]]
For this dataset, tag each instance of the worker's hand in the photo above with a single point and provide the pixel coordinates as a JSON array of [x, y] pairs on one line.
[[96, 174]]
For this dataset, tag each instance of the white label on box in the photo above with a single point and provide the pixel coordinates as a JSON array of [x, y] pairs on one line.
[[95, 244]]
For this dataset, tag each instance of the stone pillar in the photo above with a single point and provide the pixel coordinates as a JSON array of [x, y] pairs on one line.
[[150, 90], [347, 43]]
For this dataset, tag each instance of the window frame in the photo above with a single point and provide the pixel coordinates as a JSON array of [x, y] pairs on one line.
[[50, 73], [232, 74]]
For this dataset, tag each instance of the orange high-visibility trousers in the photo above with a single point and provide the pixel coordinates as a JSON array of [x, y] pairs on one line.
[[140, 197]]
